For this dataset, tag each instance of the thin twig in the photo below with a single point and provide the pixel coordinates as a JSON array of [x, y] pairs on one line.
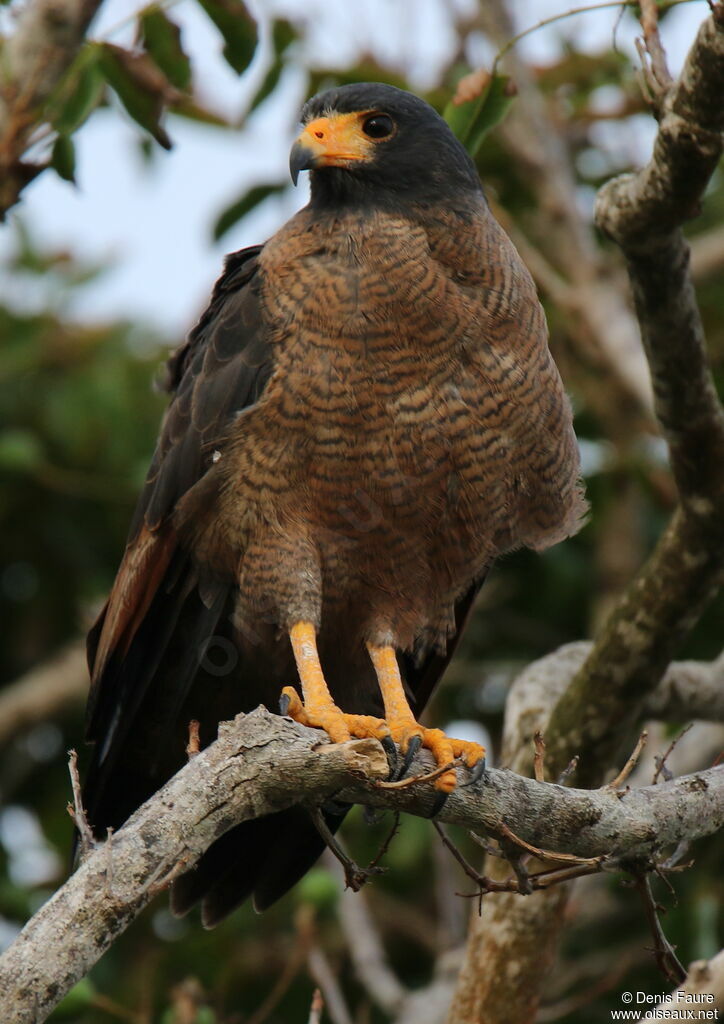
[[630, 764], [315, 1011], [386, 844], [193, 747], [663, 6], [490, 848], [354, 876], [660, 78], [673, 863], [179, 868], [568, 770], [564, 858], [76, 810], [326, 979], [539, 756], [447, 842], [292, 965], [414, 779], [666, 959], [660, 762]]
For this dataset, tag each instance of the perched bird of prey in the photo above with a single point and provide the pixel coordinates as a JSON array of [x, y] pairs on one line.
[[364, 418]]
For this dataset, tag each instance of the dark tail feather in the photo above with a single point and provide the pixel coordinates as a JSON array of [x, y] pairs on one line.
[[262, 858], [139, 749]]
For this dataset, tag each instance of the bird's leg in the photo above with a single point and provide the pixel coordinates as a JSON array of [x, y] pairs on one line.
[[406, 731], [318, 709]]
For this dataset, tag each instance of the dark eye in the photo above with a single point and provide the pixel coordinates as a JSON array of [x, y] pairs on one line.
[[379, 126]]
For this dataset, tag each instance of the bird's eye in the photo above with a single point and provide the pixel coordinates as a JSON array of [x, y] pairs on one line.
[[379, 126]]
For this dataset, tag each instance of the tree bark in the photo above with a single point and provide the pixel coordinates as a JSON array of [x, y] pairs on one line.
[[262, 763]]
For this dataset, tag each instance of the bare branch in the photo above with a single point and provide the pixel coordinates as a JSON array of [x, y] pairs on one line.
[[368, 955], [689, 690], [321, 970], [44, 691], [262, 763]]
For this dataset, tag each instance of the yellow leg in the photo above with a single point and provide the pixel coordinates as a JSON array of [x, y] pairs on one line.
[[403, 727], [318, 710]]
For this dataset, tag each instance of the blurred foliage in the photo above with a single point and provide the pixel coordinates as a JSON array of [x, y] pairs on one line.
[[78, 418]]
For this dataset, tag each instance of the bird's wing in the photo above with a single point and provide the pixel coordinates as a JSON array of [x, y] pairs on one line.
[[221, 369]]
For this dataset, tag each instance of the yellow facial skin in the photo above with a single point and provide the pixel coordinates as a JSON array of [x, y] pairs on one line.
[[336, 140]]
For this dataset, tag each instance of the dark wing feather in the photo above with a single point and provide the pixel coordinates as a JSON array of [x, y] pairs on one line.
[[159, 613]]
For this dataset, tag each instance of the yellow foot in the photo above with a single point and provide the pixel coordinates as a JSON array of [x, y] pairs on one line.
[[410, 736], [326, 715]]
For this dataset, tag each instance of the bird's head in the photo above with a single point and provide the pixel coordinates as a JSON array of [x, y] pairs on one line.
[[374, 143]]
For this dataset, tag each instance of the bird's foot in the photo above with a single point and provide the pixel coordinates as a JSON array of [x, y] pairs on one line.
[[338, 725], [405, 732], [411, 736]]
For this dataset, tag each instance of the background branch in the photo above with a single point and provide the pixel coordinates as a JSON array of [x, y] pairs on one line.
[[44, 691]]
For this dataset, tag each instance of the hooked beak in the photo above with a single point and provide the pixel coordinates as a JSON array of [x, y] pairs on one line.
[[333, 141], [301, 158]]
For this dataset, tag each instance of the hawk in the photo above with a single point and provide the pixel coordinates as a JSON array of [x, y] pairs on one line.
[[366, 416]]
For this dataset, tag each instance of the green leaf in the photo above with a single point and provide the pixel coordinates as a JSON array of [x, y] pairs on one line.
[[238, 29], [82, 92], [283, 35], [474, 118], [62, 159], [162, 39], [232, 214], [141, 87]]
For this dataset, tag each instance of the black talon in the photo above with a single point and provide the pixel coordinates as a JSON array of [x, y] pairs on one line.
[[284, 702], [412, 749], [440, 801], [390, 748], [477, 772]]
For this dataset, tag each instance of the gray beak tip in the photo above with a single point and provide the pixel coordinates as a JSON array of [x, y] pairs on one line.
[[300, 159]]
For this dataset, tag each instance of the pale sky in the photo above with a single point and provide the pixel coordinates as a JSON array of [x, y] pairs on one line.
[[154, 221]]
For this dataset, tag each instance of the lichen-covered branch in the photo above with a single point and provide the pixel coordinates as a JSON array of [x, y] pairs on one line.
[[43, 45], [262, 763], [688, 691], [643, 213]]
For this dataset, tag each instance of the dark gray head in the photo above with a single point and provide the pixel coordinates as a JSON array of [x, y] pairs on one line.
[[371, 143]]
